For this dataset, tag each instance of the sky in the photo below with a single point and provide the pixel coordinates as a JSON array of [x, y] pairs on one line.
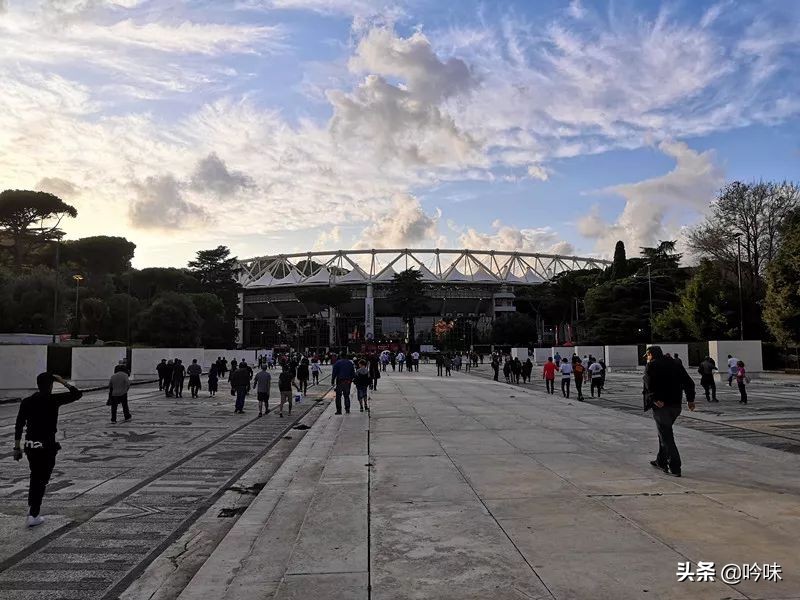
[[277, 126]]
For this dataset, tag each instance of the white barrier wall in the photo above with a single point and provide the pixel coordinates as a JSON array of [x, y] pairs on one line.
[[19, 366], [622, 356], [520, 353], [210, 357], [144, 360], [597, 351], [540, 355], [748, 351], [95, 364], [681, 349], [567, 351]]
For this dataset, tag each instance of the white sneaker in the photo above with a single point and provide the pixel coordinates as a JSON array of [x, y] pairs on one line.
[[34, 521]]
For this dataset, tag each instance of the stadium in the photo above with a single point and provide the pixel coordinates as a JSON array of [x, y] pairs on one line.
[[319, 300]]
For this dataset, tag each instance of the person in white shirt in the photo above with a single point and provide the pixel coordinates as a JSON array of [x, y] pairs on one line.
[[596, 373], [566, 376], [732, 368], [415, 359], [401, 359]]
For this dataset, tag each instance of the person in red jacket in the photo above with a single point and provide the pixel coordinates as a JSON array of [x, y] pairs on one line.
[[549, 375]]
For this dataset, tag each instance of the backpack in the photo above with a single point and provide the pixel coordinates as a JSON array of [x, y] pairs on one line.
[[578, 369]]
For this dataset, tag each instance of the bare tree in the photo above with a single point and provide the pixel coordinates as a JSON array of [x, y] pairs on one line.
[[753, 213]]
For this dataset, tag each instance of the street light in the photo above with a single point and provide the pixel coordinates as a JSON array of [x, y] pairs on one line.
[[650, 294], [78, 279], [738, 237]]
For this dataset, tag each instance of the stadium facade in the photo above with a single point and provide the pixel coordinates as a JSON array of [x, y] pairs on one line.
[[283, 301]]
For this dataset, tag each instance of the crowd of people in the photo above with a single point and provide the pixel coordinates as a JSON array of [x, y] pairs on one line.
[[665, 382]]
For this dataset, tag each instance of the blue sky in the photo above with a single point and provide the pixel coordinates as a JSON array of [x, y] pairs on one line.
[[287, 125]]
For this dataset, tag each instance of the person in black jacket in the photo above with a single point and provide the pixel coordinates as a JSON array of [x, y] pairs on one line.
[[665, 381], [38, 415], [160, 369]]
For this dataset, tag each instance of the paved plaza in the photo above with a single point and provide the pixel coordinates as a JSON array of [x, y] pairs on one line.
[[451, 488]]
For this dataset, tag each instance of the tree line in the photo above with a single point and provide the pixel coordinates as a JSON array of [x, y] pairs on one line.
[[195, 305]]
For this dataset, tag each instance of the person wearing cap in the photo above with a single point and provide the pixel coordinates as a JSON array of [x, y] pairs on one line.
[[665, 382], [38, 415]]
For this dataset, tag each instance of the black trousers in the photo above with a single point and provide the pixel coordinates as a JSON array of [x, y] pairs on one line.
[[551, 385], [597, 384], [668, 455], [439, 369], [120, 400], [579, 387], [41, 462], [710, 386], [342, 389], [565, 386], [161, 383], [496, 374], [303, 386], [742, 391], [177, 386]]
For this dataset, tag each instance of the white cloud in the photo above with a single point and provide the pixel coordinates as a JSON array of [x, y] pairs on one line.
[[539, 172], [404, 225], [576, 9], [212, 175], [649, 204], [160, 205], [329, 239], [513, 239]]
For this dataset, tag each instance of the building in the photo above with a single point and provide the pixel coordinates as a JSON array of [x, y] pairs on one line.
[[334, 299]]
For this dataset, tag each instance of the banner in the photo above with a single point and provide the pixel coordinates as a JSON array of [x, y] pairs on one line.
[[369, 318]]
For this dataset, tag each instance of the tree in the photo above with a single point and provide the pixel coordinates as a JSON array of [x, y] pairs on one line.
[[215, 331], [516, 329], [121, 308], [754, 213], [99, 255], [706, 309], [93, 312], [217, 271], [26, 301], [782, 307], [407, 295], [149, 283], [619, 267], [171, 321], [21, 209]]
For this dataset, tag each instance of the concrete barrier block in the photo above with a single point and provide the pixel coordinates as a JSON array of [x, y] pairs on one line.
[[19, 366], [622, 356], [145, 360], [598, 352], [520, 353], [540, 355], [563, 351], [748, 351], [681, 349], [95, 364]]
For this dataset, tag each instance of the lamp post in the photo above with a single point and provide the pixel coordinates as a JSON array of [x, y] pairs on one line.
[[78, 279], [650, 295], [55, 287], [738, 237]]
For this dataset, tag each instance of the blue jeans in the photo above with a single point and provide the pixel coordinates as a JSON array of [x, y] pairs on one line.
[[342, 389], [241, 393]]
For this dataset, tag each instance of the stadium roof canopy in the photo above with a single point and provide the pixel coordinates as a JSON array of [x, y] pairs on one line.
[[437, 266]]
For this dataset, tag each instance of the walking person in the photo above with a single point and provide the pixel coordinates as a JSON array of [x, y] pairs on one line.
[[706, 370], [160, 368], [448, 365], [374, 372], [507, 370], [362, 381], [118, 387], [549, 374], [741, 380], [240, 384], [303, 372], [315, 371], [415, 360], [664, 384], [194, 371], [178, 375], [527, 370], [262, 382], [401, 359], [439, 365], [342, 376], [578, 372], [168, 369], [566, 376], [596, 376], [213, 380], [38, 415], [733, 368], [496, 368], [285, 384]]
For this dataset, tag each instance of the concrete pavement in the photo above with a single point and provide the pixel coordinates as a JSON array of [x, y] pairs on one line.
[[465, 488]]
